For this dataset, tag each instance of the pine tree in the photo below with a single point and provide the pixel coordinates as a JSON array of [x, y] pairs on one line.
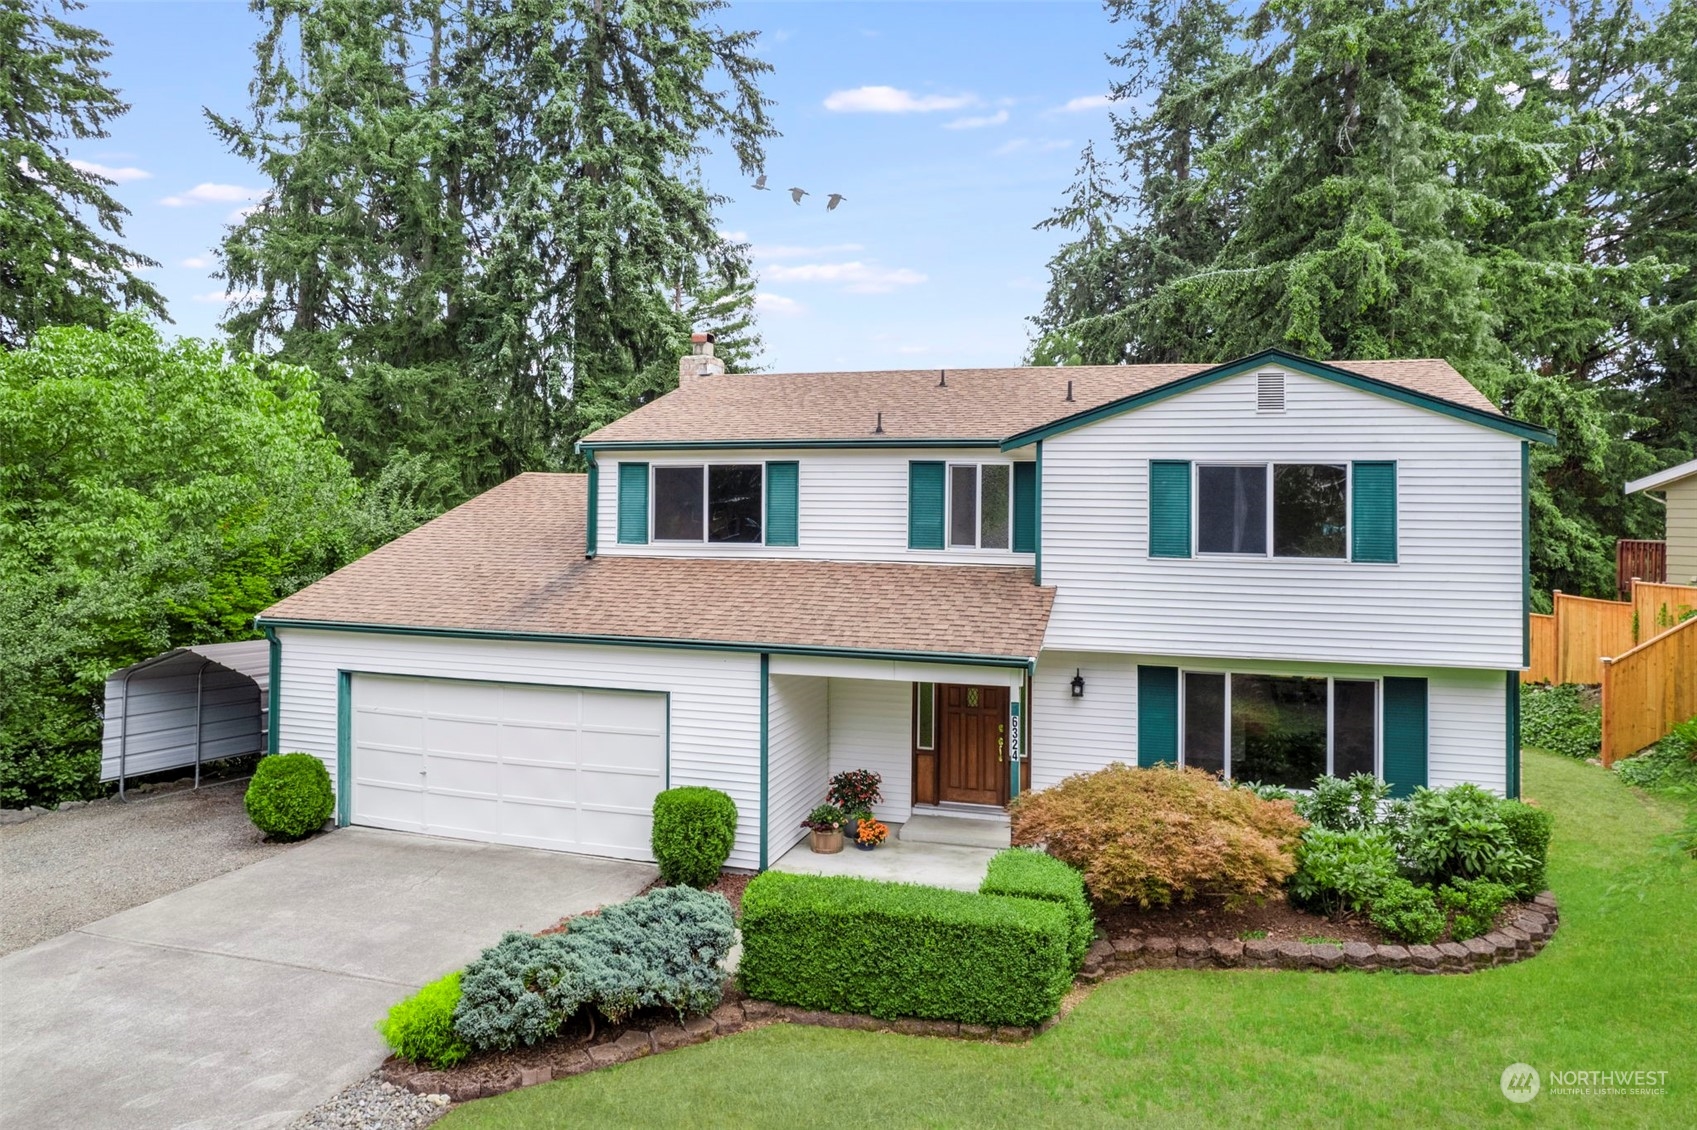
[[55, 267], [481, 216]]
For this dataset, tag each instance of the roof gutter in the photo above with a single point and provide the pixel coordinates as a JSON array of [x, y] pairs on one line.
[[589, 447], [965, 659]]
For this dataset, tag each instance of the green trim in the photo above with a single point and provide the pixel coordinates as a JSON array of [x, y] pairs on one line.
[[1024, 538], [1407, 732], [344, 747], [765, 748], [1157, 715], [1016, 719], [633, 503], [956, 658], [1525, 431], [1037, 564], [591, 537], [1169, 508], [786, 444], [1373, 511], [783, 503], [273, 731], [1511, 723], [1525, 554], [927, 503]]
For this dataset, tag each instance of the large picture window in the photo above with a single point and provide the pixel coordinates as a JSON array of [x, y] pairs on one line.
[[718, 502], [1279, 729], [1293, 509], [980, 505]]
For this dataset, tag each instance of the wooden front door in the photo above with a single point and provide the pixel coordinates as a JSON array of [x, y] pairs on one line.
[[973, 768]]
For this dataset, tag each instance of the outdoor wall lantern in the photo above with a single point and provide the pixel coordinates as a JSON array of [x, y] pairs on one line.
[[1078, 684]]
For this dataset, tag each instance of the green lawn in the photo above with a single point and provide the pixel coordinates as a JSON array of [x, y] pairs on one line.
[[1616, 989]]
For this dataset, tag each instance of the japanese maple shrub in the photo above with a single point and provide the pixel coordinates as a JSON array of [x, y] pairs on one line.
[[1162, 835]]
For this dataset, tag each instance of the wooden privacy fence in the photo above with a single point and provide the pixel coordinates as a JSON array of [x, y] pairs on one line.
[[1568, 645], [1635, 560], [1545, 648], [1649, 690], [1658, 607]]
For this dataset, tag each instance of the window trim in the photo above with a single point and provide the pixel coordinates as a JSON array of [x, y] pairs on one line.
[[978, 466], [1267, 466], [706, 508], [1331, 681]]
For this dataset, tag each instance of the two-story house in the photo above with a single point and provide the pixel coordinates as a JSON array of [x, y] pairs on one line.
[[976, 582]]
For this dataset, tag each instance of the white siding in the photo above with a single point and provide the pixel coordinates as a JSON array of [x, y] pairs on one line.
[[852, 506], [1466, 739], [1453, 599], [797, 756], [714, 705], [871, 728]]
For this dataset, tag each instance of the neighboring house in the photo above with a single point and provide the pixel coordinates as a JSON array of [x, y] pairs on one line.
[[975, 582], [1679, 491]]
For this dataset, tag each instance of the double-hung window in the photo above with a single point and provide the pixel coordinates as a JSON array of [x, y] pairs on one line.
[[1279, 729], [980, 505], [715, 502], [1287, 509]]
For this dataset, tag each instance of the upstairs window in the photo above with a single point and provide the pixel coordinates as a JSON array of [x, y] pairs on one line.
[[1297, 509], [716, 503], [980, 505]]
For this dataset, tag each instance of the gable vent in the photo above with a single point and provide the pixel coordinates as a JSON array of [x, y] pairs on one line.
[[1269, 392]]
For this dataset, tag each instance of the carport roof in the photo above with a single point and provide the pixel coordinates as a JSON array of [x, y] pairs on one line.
[[511, 562]]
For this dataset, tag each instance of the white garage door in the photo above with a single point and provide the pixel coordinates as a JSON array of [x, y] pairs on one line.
[[548, 767]]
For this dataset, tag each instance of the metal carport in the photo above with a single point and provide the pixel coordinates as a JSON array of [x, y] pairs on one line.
[[184, 707]]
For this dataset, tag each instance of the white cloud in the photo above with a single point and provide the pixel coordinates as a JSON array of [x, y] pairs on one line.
[[1027, 145], [996, 119], [1086, 102], [225, 297], [768, 303], [212, 194], [855, 277], [122, 174], [889, 100], [197, 262], [789, 251]]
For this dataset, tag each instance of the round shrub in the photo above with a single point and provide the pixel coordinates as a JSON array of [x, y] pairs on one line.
[[290, 796], [1475, 904], [1529, 829], [1339, 871], [1152, 836], [694, 829], [1408, 913], [420, 1029], [1459, 833]]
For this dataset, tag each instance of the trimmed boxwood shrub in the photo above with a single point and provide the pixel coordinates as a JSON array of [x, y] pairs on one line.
[[420, 1029], [1025, 873], [290, 796], [896, 949], [694, 829], [1408, 913]]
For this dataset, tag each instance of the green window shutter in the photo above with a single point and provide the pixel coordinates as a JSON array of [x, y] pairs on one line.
[[633, 503], [1511, 721], [924, 505], [1169, 508], [782, 505], [1405, 734], [1372, 519], [1157, 715], [1025, 508]]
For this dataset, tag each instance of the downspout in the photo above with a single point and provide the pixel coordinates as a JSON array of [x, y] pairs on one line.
[[273, 716], [765, 709], [1037, 571], [199, 721], [591, 538]]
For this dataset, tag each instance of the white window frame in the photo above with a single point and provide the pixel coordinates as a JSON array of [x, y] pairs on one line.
[[1267, 466], [654, 501], [1331, 681], [978, 506]]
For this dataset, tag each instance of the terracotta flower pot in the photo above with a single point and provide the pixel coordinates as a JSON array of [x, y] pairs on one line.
[[827, 842]]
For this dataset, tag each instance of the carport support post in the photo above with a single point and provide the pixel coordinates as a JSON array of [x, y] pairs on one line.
[[199, 721]]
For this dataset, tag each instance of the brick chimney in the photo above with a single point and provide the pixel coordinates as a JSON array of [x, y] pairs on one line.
[[699, 361]]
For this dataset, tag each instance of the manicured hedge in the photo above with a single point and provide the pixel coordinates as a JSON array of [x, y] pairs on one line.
[[694, 831], [1030, 874], [896, 949], [290, 796]]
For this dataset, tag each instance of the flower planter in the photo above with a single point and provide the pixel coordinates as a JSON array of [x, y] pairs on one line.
[[864, 847], [826, 843], [851, 828]]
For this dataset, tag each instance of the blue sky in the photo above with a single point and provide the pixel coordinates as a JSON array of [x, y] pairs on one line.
[[950, 129]]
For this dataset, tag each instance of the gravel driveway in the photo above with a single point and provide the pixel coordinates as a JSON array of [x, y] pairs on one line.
[[63, 870]]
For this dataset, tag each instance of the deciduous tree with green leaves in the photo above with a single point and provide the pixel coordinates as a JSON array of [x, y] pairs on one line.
[[56, 266]]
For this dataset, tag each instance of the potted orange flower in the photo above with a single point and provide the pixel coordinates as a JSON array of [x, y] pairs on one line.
[[871, 834]]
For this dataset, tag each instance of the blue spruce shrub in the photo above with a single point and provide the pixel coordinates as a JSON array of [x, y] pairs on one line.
[[519, 991]]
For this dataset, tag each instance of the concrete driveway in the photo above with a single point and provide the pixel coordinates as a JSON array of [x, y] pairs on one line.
[[250, 998]]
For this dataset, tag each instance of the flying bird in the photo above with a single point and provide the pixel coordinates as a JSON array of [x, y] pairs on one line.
[[832, 201], [797, 193], [760, 183]]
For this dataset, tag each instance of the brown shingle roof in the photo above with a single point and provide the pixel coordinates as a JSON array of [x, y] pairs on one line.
[[980, 404], [511, 560]]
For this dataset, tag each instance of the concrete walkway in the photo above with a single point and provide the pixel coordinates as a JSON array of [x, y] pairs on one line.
[[896, 860], [250, 998]]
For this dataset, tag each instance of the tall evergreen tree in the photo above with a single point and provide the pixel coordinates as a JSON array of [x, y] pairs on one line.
[[56, 268], [483, 216]]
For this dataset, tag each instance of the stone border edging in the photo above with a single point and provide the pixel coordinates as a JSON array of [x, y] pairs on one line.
[[1531, 928], [1525, 936]]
